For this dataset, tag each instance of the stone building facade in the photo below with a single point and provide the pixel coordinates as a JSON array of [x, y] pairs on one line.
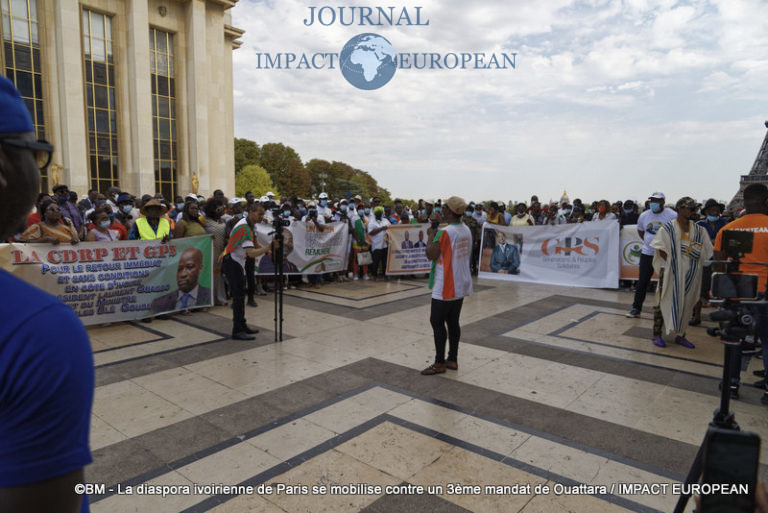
[[132, 93]]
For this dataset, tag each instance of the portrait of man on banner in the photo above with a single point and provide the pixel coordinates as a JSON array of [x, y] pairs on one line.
[[190, 292], [267, 265], [505, 258]]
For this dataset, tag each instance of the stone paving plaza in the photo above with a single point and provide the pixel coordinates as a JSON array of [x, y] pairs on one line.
[[555, 387]]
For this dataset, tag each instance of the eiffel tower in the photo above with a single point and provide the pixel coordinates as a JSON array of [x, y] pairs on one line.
[[758, 174]]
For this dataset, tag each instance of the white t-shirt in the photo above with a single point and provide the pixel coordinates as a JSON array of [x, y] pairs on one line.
[[238, 255], [650, 223], [378, 241], [452, 278]]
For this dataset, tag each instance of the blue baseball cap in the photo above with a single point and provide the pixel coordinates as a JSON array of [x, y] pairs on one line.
[[15, 116]]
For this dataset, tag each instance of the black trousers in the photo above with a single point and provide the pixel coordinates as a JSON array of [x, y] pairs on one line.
[[236, 278], [446, 313], [379, 257], [643, 280], [250, 271]]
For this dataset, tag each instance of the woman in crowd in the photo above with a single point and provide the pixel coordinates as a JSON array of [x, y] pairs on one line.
[[361, 243], [216, 226], [189, 225], [51, 229], [102, 226]]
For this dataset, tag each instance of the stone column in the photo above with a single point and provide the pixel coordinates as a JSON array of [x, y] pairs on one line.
[[197, 70], [72, 147], [140, 178]]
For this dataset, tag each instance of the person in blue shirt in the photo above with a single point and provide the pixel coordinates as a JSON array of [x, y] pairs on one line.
[[46, 364]]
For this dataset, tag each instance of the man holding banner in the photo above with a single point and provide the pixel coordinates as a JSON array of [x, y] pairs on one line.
[[449, 249]]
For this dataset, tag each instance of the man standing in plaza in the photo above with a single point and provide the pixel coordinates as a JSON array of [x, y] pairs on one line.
[[449, 249], [683, 246], [242, 244], [47, 384], [648, 224]]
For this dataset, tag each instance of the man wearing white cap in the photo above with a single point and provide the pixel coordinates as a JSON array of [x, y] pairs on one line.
[[323, 210], [648, 225], [450, 250]]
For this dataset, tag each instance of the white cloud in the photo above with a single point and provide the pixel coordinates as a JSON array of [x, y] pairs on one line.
[[609, 98]]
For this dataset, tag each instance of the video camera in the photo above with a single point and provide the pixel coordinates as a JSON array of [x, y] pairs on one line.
[[735, 292], [278, 221]]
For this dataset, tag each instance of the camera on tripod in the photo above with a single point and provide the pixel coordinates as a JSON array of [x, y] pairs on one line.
[[278, 221], [731, 288]]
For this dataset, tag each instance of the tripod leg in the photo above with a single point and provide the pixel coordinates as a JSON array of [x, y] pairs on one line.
[[693, 477]]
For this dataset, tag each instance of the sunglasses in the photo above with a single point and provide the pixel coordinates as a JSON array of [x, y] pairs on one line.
[[42, 149]]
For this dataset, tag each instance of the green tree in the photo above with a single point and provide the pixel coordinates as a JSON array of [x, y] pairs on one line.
[[255, 179], [246, 152], [286, 169], [319, 172]]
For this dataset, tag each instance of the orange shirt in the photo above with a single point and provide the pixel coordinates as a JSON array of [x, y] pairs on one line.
[[757, 224]]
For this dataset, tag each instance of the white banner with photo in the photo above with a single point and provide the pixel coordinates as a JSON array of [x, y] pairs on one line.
[[307, 249], [580, 255], [408, 249]]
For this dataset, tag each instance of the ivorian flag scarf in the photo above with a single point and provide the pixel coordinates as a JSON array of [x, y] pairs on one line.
[[240, 234]]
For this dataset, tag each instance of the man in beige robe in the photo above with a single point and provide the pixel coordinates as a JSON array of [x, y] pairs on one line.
[[683, 247]]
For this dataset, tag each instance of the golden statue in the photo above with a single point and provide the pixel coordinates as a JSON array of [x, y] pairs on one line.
[[55, 168], [564, 198], [195, 183]]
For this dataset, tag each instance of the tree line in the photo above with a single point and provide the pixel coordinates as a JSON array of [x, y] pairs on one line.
[[278, 168]]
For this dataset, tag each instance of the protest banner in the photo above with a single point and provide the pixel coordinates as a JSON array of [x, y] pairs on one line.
[[121, 280], [630, 250], [306, 250], [582, 255], [407, 249]]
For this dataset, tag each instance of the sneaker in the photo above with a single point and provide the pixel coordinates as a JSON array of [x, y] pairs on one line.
[[366, 277], [355, 278], [684, 342], [759, 384], [759, 373], [633, 313], [658, 341]]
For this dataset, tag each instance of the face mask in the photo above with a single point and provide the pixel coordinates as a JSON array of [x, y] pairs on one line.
[[303, 211], [468, 213], [62, 199], [712, 219], [437, 209], [286, 213], [367, 211], [343, 208], [655, 207], [105, 224], [179, 206], [127, 208], [323, 203], [378, 216], [567, 211], [628, 210], [111, 218], [360, 212], [601, 209]]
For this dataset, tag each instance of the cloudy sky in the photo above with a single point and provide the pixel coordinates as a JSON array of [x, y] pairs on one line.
[[609, 99]]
